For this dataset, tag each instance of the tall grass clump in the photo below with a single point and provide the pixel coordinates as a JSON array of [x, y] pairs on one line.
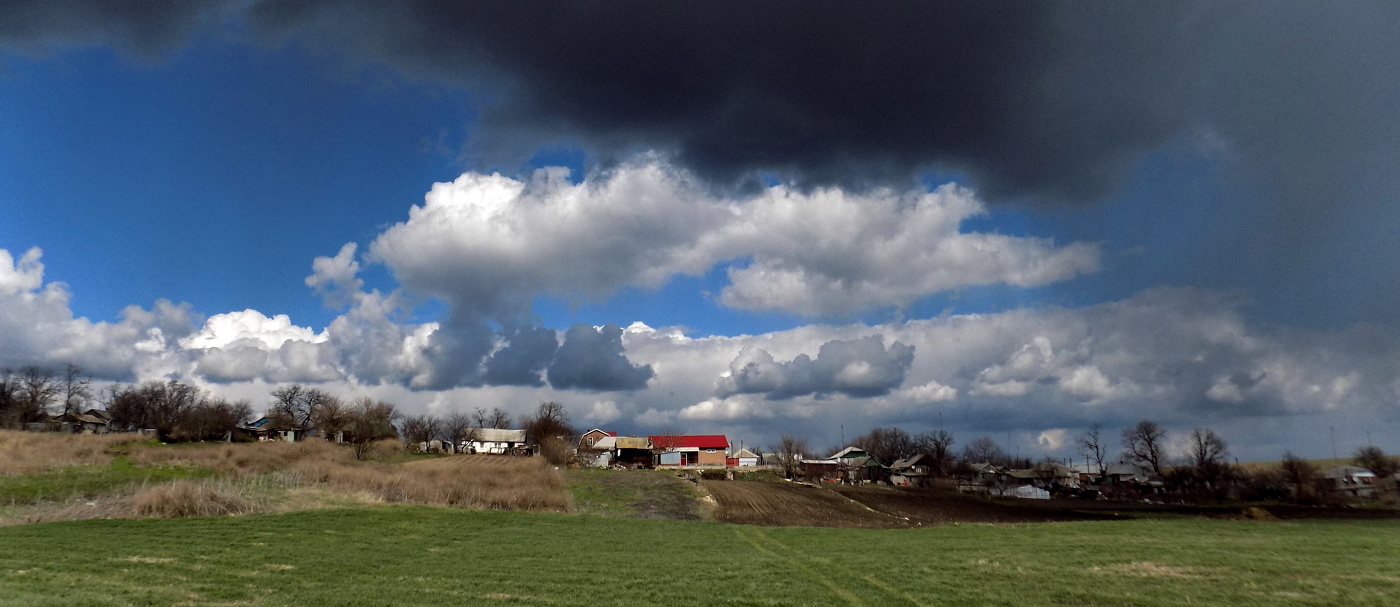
[[36, 452], [184, 498]]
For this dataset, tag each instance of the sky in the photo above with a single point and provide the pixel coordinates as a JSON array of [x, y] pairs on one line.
[[727, 217]]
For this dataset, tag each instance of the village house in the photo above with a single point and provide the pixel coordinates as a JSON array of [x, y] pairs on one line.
[[690, 451], [1351, 481], [917, 471], [267, 429], [742, 458], [79, 423], [588, 441], [496, 441]]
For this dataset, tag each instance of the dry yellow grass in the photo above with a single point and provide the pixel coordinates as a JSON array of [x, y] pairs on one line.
[[36, 452], [185, 498], [277, 477], [472, 481], [240, 459]]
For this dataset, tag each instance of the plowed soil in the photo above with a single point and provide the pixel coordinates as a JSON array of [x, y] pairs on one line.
[[788, 504], [919, 507]]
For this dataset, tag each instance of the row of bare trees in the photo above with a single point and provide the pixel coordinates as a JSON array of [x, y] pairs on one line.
[[176, 411], [30, 394]]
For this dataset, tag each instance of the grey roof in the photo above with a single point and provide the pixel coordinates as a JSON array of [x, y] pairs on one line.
[[499, 435], [850, 453], [908, 462]]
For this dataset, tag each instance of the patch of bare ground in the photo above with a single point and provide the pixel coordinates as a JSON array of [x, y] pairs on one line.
[[1148, 569], [790, 504]]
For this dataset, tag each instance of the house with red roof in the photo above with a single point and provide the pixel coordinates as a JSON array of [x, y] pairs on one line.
[[690, 450]]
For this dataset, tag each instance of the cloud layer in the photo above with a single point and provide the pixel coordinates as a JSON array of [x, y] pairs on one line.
[[1181, 356]]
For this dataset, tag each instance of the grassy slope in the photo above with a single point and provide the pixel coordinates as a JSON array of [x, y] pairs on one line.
[[87, 481], [633, 493], [419, 555]]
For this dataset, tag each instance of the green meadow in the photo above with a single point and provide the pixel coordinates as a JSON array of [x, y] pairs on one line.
[[418, 555]]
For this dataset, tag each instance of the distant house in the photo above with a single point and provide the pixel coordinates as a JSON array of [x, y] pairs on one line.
[[917, 471], [591, 437], [822, 469], [1353, 481], [101, 414], [496, 441], [690, 450], [267, 429], [79, 423], [633, 452], [744, 458], [849, 454], [865, 470]]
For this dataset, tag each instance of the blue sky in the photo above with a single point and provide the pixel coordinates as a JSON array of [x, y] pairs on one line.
[[1208, 254]]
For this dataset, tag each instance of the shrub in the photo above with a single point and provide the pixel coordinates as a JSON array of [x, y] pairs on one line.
[[182, 499]]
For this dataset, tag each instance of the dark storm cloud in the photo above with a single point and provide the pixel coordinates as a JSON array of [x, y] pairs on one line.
[[523, 359], [593, 359], [142, 26], [1044, 101], [857, 367], [1039, 101]]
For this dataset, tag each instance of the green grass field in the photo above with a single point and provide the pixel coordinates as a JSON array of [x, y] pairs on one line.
[[413, 555], [87, 481]]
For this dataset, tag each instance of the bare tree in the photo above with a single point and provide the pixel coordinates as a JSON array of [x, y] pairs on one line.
[[985, 449], [1091, 446], [499, 418], [887, 444], [1144, 445], [549, 428], [77, 389], [1206, 454], [329, 415], [1374, 459], [457, 428], [210, 418], [37, 391], [289, 406], [480, 417], [1300, 474], [790, 451], [938, 446], [370, 421], [9, 399], [419, 429]]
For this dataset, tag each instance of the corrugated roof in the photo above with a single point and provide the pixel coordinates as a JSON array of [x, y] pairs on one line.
[[698, 441], [745, 453], [632, 442], [499, 435], [850, 453]]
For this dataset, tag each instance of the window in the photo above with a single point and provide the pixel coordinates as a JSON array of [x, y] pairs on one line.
[[590, 441], [709, 451]]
